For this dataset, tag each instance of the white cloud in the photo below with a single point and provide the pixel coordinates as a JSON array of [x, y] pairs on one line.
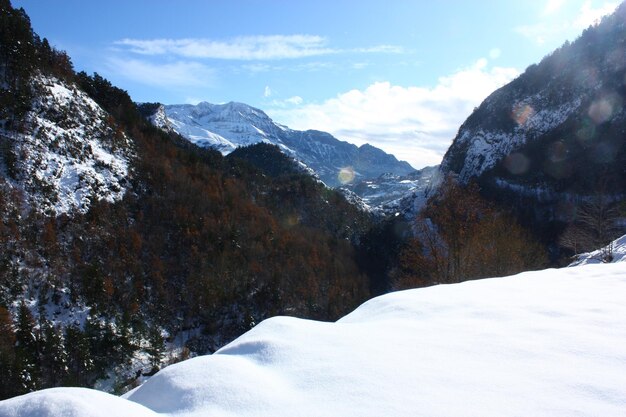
[[267, 92], [360, 65], [553, 25], [540, 32], [591, 16], [176, 74], [552, 6], [257, 67], [240, 48], [295, 100], [246, 47], [287, 103], [416, 124], [385, 49]]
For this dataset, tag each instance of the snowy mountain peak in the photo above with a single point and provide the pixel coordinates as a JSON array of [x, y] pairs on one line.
[[227, 126]]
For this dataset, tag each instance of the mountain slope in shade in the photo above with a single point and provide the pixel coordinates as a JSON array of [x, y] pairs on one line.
[[540, 343], [227, 126], [560, 127]]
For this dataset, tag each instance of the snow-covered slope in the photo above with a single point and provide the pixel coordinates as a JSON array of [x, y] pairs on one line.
[[67, 153], [547, 343], [613, 252], [227, 126]]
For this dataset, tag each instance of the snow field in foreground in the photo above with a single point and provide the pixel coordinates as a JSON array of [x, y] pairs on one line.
[[546, 343]]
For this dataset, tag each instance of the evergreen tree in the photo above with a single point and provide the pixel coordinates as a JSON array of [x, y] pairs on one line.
[[27, 351], [80, 363], [156, 347], [54, 360], [8, 378]]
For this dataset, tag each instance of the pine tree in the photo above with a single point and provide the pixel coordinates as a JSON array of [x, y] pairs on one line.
[[7, 355], [27, 351], [80, 364], [156, 347], [54, 360]]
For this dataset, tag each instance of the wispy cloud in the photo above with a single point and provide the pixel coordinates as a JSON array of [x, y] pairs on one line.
[[380, 49], [241, 48], [286, 103], [247, 48], [176, 74], [417, 124]]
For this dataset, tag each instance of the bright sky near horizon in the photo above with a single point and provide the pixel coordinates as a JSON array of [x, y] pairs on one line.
[[401, 75]]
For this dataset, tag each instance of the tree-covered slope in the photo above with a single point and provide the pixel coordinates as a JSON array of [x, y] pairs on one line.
[[125, 247]]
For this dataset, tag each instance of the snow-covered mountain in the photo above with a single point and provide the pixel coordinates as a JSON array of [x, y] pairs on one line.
[[67, 151], [390, 193], [227, 126], [558, 127], [555, 137], [546, 343]]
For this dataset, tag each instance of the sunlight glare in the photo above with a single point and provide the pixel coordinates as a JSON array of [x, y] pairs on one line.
[[586, 131], [346, 175], [521, 113], [605, 107], [516, 163]]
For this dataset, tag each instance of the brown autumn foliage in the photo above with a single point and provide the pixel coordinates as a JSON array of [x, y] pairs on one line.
[[459, 236]]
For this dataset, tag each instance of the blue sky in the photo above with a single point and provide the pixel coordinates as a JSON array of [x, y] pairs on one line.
[[401, 75]]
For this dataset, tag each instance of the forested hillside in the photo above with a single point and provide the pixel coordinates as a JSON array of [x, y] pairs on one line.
[[194, 246], [124, 247]]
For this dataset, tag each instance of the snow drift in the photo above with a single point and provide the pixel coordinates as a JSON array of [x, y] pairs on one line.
[[613, 252], [547, 343]]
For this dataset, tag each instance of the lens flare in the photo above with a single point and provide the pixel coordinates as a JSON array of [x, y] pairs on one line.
[[604, 108], [291, 220], [346, 175], [516, 163], [558, 151], [521, 113], [559, 170], [586, 131], [604, 153]]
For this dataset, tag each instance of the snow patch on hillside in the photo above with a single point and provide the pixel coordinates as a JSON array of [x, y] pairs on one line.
[[546, 343], [69, 152], [487, 147]]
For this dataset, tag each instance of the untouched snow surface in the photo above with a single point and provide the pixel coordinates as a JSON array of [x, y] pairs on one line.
[[548, 343]]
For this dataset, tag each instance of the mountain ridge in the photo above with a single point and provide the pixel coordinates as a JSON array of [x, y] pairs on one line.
[[226, 126]]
